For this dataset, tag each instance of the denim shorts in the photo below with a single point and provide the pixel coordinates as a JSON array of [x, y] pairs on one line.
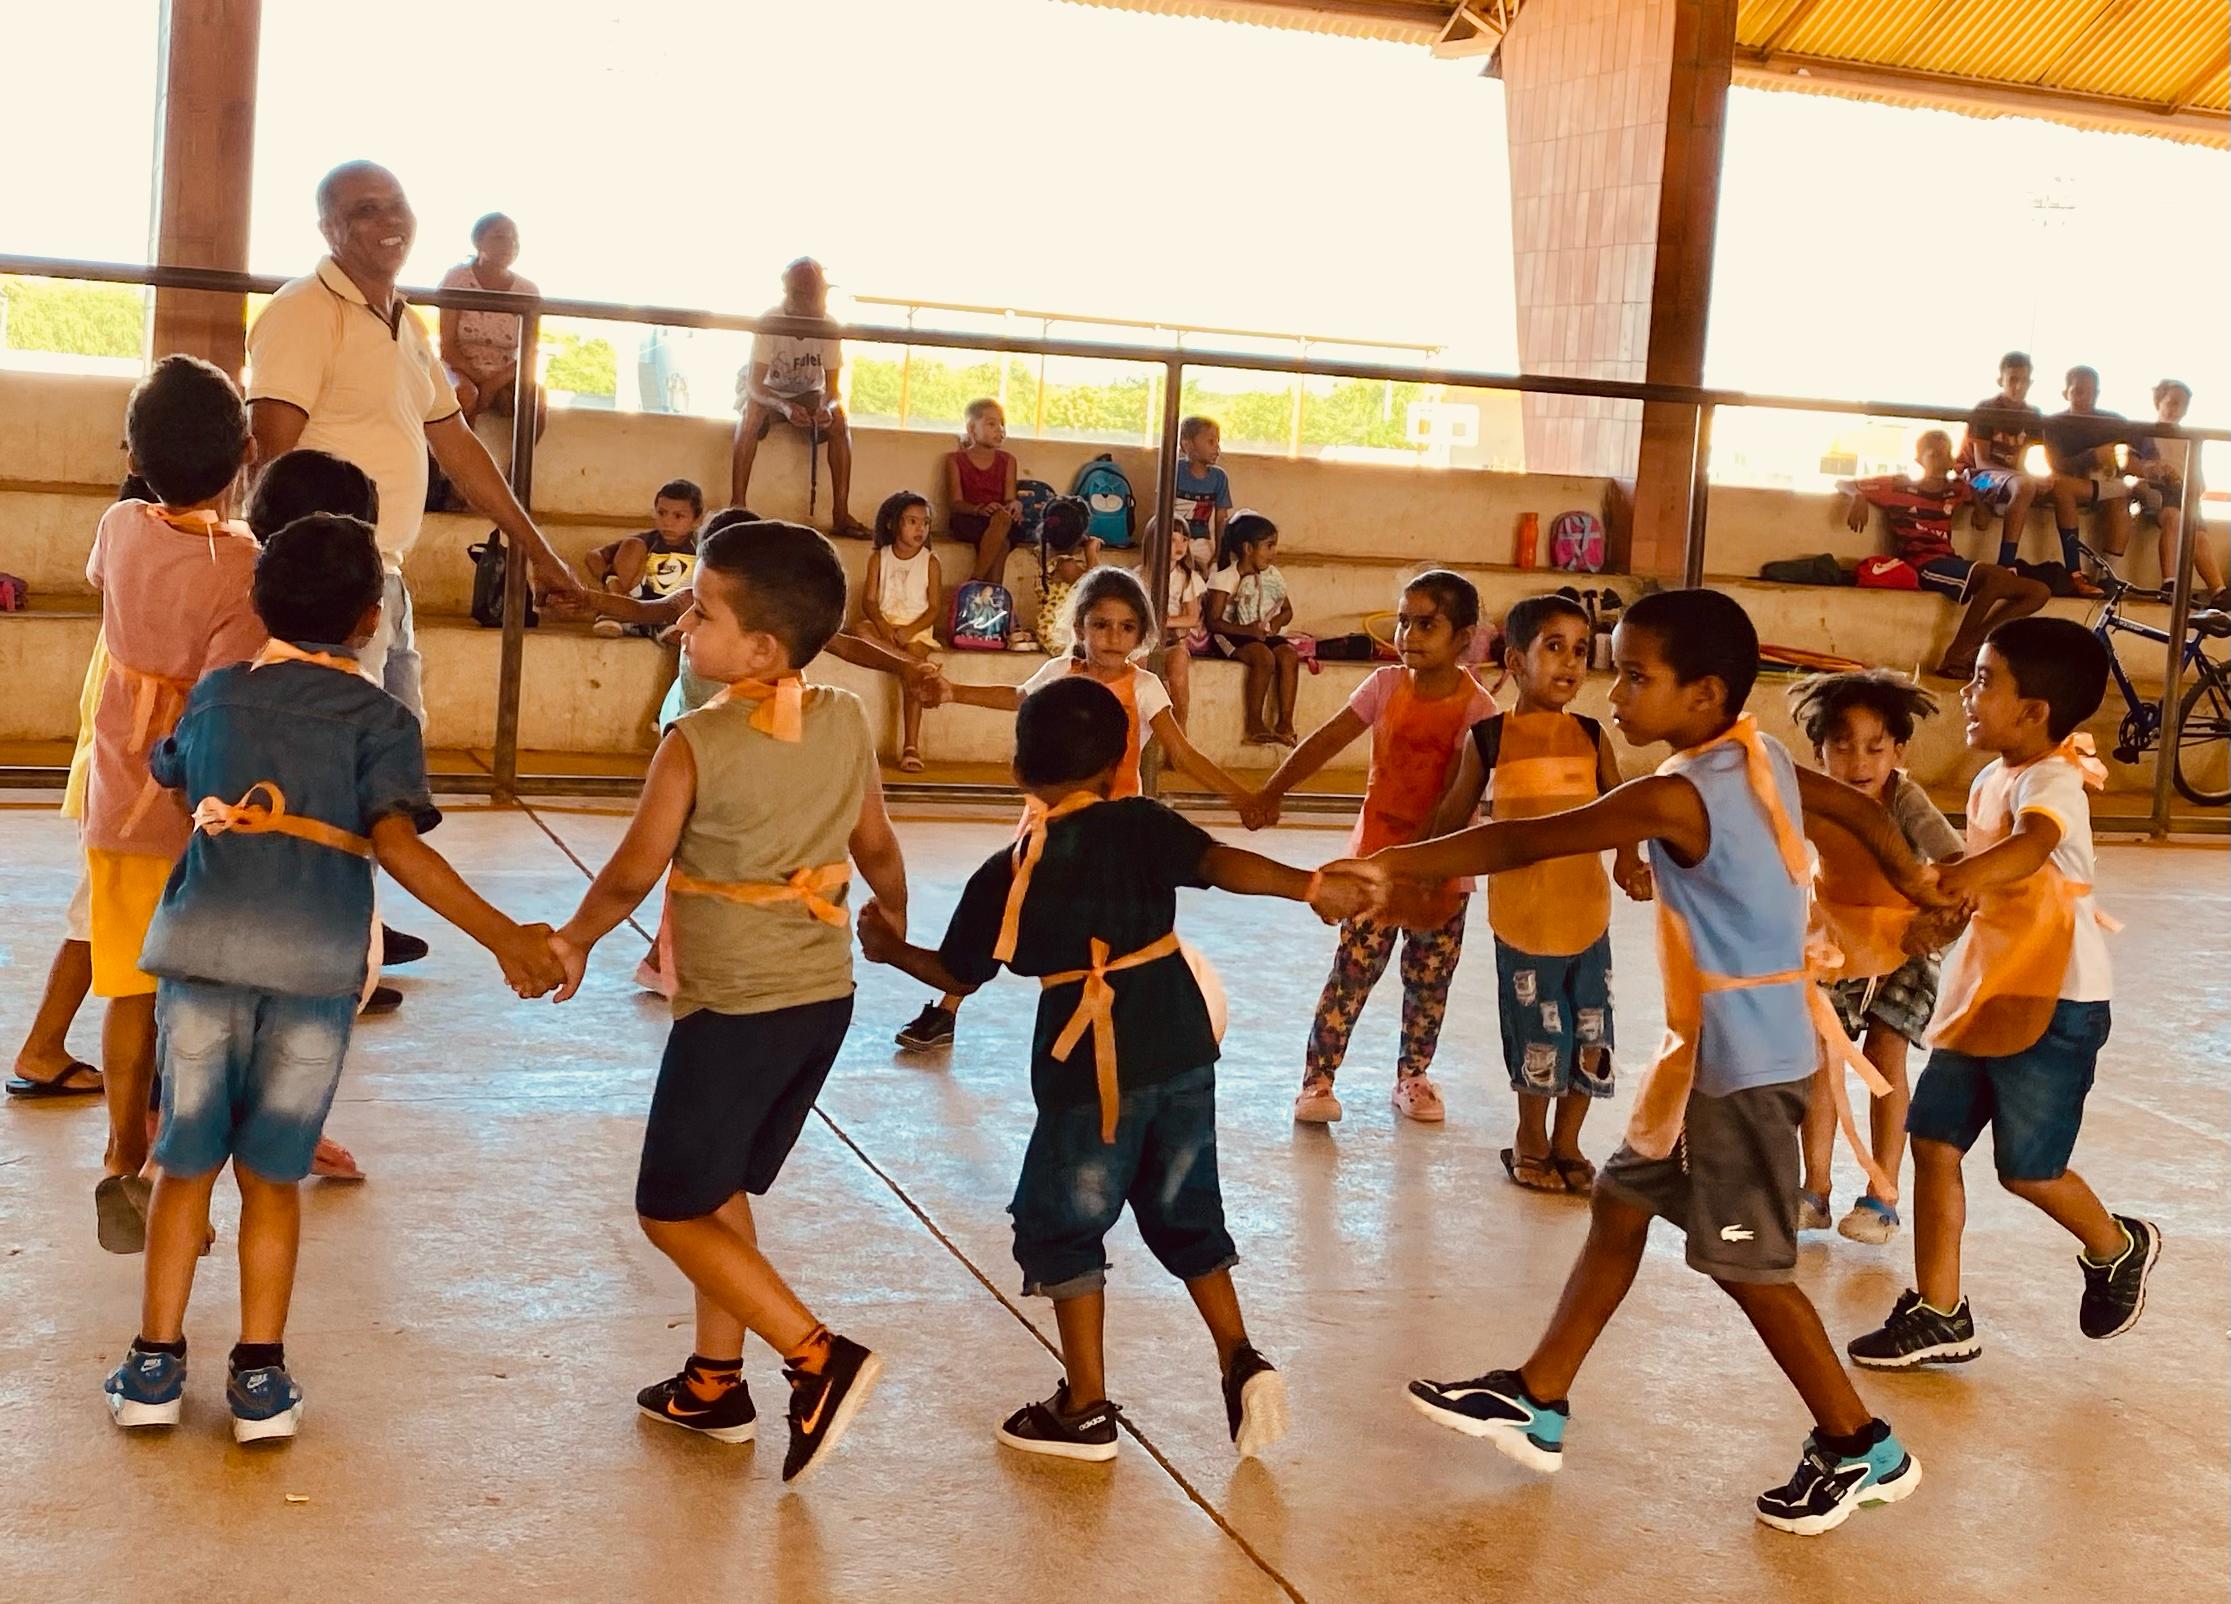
[[2033, 1100], [1903, 1000], [1162, 1161], [1552, 1008], [246, 1075]]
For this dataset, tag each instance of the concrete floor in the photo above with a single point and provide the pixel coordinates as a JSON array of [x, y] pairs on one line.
[[471, 1325]]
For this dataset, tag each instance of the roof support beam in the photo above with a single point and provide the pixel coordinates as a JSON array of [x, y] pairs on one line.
[[1476, 28], [2200, 80]]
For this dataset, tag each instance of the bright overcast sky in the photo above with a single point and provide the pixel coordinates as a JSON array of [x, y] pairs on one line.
[[1087, 160]]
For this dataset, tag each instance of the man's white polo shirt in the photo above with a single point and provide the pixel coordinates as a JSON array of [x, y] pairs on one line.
[[370, 387]]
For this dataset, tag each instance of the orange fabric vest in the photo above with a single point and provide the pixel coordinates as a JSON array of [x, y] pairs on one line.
[[1415, 745], [1126, 692], [1859, 918], [1560, 906], [2003, 980]]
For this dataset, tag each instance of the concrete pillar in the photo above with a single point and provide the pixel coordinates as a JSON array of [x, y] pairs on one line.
[[1616, 111], [204, 165]]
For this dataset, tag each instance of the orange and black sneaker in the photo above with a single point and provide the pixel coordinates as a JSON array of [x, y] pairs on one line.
[[727, 1417], [823, 1402]]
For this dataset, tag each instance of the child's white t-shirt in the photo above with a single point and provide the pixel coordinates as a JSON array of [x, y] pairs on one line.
[[1148, 694], [1255, 597], [1187, 586], [2056, 789]]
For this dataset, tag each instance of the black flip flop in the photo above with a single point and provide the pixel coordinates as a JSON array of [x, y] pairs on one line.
[[59, 1086], [1515, 1162]]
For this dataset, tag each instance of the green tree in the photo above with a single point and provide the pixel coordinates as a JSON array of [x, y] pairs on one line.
[[76, 319], [583, 366]]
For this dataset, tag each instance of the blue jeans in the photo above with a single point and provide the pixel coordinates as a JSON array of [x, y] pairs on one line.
[[246, 1075], [1162, 1161], [2033, 1100]]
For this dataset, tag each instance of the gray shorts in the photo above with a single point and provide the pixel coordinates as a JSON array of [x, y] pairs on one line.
[[1730, 1182], [1903, 1000]]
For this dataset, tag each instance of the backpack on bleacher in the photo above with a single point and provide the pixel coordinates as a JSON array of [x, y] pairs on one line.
[[980, 617], [1034, 496], [1106, 490]]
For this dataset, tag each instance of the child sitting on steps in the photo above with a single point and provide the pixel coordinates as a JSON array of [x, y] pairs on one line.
[[1416, 713], [901, 600]]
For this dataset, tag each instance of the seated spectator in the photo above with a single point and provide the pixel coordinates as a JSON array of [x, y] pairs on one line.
[[1066, 553], [1204, 490], [656, 563], [1184, 629], [1246, 608], [481, 349], [980, 499], [1991, 451], [900, 602], [793, 379], [2161, 467], [2087, 474], [1918, 510]]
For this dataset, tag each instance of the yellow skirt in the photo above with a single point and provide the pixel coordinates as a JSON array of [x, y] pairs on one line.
[[126, 889]]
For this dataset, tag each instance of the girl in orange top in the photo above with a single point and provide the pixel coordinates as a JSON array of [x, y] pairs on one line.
[[1552, 920], [1114, 625], [1417, 715]]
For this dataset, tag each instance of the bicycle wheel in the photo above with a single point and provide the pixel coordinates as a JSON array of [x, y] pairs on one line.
[[2203, 758]]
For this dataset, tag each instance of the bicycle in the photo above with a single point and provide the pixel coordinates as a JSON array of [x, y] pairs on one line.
[[2204, 714]]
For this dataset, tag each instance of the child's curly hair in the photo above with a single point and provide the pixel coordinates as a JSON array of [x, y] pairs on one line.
[[1820, 701]]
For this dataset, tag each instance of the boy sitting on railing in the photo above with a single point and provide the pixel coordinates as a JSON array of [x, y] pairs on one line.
[[1919, 512]]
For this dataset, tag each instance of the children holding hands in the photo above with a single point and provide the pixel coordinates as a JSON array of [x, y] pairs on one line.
[[1418, 714]]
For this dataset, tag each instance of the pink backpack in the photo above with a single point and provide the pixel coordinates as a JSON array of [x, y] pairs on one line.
[[1576, 542]]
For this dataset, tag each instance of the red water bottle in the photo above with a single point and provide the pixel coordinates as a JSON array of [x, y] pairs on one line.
[[1526, 545]]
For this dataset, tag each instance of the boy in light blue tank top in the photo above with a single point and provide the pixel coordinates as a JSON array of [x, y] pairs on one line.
[[1713, 1143]]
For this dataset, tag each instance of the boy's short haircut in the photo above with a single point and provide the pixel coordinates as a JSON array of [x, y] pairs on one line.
[[2015, 359], [1111, 584], [1701, 634], [981, 405], [1062, 526], [302, 483], [316, 577], [2081, 371], [726, 518], [683, 490], [1457, 597], [1528, 618], [1072, 730], [1925, 436], [1820, 701], [187, 430], [789, 582], [2056, 661], [2168, 387], [1194, 425]]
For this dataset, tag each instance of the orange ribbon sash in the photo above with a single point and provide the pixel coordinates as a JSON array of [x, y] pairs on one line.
[[1096, 1012], [808, 887], [215, 816], [782, 705]]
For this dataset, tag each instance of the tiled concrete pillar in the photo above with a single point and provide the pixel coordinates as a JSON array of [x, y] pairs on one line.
[[1616, 110], [205, 161]]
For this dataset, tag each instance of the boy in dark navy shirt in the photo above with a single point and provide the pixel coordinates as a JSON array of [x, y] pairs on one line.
[[1122, 1058]]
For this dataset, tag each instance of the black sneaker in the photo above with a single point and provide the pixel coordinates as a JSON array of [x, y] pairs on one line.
[[1916, 1334], [2115, 1294], [1828, 1487], [397, 948], [728, 1418], [1051, 1428], [932, 1027], [1254, 1401], [822, 1406], [384, 1000], [1498, 1407]]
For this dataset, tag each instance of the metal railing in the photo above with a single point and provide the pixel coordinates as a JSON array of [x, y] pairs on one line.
[[1705, 400]]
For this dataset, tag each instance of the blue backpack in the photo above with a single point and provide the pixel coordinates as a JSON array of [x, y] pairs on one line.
[[1105, 489], [1034, 496]]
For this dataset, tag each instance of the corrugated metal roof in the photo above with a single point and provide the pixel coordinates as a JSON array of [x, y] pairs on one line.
[[2160, 67]]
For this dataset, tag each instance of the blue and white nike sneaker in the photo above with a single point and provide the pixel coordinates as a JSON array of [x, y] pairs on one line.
[[1497, 1406], [265, 1403], [1828, 1487], [147, 1389]]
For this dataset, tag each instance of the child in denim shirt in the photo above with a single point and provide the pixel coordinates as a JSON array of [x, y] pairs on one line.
[[297, 771]]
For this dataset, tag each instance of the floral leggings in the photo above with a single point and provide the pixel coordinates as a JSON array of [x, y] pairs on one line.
[[1428, 965]]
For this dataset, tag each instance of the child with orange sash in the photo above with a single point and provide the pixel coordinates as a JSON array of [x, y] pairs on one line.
[[760, 802], [1417, 713], [1713, 1143], [1114, 628], [173, 577], [1122, 1057], [1859, 724], [2023, 1009], [1552, 920], [300, 771]]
